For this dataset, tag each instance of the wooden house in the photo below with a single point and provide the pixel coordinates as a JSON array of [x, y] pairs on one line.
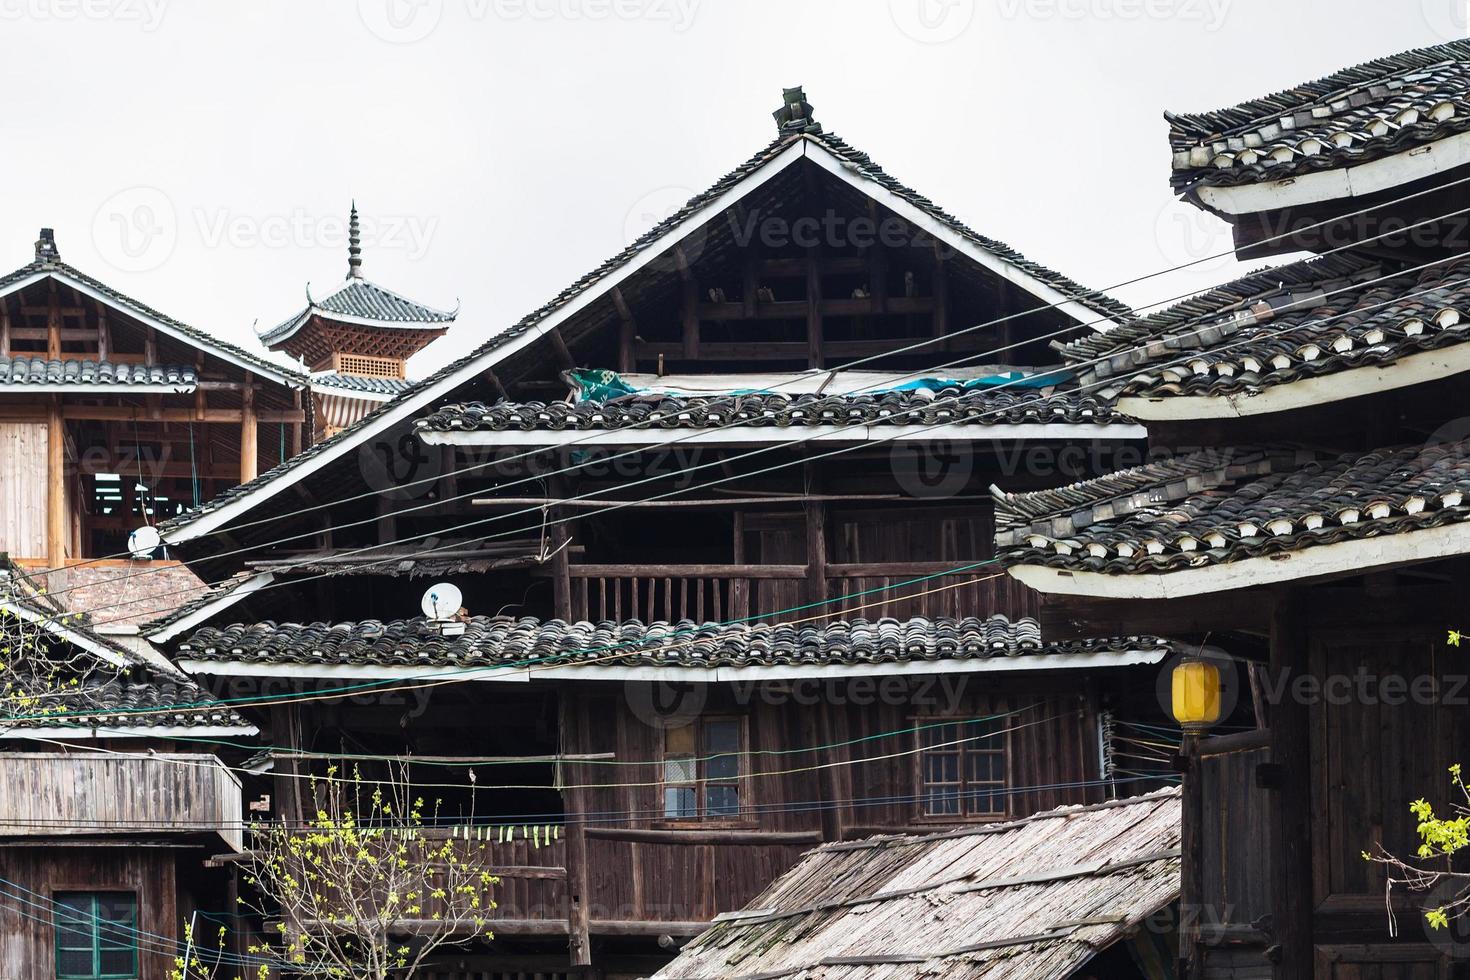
[[109, 807], [1319, 536], [718, 527], [114, 416]]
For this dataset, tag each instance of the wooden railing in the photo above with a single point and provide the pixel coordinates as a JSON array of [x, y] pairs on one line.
[[716, 593]]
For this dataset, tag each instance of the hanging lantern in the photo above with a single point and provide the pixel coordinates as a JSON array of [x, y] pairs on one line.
[[1196, 697]]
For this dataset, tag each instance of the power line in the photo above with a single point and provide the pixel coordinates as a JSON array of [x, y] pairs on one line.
[[922, 343]]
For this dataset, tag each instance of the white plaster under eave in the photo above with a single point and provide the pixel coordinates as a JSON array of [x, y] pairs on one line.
[[1321, 561], [1411, 369], [1382, 174]]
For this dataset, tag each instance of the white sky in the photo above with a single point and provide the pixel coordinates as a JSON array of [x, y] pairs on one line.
[[518, 143]]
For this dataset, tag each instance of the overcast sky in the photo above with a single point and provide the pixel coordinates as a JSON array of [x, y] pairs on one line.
[[200, 155]]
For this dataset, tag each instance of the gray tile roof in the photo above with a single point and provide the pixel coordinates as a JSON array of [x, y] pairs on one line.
[[504, 641], [1358, 114], [200, 337], [106, 695], [363, 300], [23, 370], [1031, 899], [361, 383], [1224, 505], [1301, 320], [777, 410], [861, 164]]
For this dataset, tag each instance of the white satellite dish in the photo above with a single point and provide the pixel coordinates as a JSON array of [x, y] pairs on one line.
[[442, 601], [143, 542]]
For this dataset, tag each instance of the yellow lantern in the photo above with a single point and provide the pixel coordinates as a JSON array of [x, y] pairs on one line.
[[1196, 700]]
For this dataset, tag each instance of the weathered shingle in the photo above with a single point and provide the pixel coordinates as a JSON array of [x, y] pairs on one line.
[[1350, 117], [1301, 320], [22, 370], [922, 407], [1033, 899], [1228, 504], [503, 641], [361, 383]]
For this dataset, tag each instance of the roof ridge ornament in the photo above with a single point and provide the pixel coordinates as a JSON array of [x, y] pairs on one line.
[[795, 114], [46, 251], [354, 245]]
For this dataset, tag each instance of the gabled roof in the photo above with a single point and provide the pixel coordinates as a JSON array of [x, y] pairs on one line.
[[37, 374], [592, 651], [117, 693], [1308, 325], [834, 156], [361, 302], [1032, 899], [1353, 116], [1233, 517], [49, 264]]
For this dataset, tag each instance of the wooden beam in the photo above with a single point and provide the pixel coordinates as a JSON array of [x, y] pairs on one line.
[[127, 413], [563, 353], [53, 326], [814, 354], [249, 434], [579, 880], [58, 530], [1289, 822], [703, 837], [689, 319], [941, 293], [4, 333], [627, 332], [559, 540]]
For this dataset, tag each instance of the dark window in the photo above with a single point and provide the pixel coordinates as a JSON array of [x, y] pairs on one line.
[[96, 935], [962, 768], [702, 769]]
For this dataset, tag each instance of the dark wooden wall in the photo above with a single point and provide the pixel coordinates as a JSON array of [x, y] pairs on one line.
[[28, 947], [668, 878]]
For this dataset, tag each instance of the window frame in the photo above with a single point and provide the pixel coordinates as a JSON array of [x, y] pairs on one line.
[[743, 817], [95, 897], [923, 726]]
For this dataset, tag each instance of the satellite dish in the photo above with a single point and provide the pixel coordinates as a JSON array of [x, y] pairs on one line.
[[143, 542], [442, 601]]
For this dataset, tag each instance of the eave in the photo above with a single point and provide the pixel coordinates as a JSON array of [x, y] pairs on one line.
[[1352, 557], [1412, 369], [1384, 173], [737, 435]]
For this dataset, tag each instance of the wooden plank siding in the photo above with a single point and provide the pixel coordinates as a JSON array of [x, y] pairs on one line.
[[665, 876], [23, 488]]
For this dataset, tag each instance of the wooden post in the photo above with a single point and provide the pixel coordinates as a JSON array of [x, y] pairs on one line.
[[689, 312], [53, 326], [816, 540], [4, 333], [1290, 823], [249, 432], [57, 530], [579, 938], [814, 356], [627, 334], [941, 293], [1191, 890], [559, 540]]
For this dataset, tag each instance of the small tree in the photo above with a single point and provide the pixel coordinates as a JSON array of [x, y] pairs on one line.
[[367, 889], [1440, 838], [40, 672]]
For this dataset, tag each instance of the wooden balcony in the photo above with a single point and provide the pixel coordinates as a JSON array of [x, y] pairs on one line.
[[717, 593], [53, 794]]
